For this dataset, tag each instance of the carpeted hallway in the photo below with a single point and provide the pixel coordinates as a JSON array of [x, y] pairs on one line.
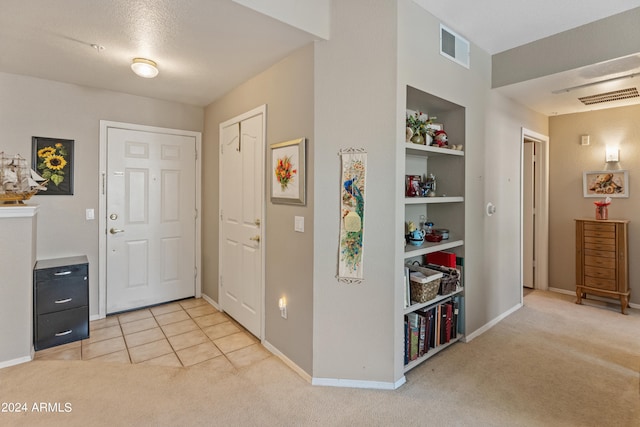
[[552, 363]]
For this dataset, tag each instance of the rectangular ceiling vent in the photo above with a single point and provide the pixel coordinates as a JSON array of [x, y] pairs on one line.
[[454, 47], [616, 95]]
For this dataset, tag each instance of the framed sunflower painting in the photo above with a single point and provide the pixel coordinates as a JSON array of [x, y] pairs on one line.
[[52, 159]]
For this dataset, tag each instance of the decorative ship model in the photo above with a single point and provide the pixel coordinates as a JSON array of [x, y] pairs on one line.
[[19, 181]]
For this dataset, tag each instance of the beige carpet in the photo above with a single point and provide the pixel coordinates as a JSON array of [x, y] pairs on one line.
[[552, 363]]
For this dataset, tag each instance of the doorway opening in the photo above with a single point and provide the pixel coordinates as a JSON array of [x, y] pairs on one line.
[[534, 217]]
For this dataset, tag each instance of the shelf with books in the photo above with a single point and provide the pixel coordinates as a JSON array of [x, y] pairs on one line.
[[431, 329]]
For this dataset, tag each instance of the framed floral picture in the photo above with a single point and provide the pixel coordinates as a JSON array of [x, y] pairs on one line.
[[613, 183], [288, 172], [52, 159]]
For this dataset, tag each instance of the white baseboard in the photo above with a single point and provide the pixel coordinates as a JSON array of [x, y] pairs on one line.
[[337, 382], [491, 323], [297, 369], [208, 299], [595, 297], [17, 361]]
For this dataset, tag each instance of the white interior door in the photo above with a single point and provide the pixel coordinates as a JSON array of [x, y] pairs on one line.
[[150, 218], [528, 206], [241, 219]]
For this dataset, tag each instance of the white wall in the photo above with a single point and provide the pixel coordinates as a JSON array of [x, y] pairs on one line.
[[355, 106], [35, 107]]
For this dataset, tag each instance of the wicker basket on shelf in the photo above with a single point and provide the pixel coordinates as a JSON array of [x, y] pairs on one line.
[[450, 278], [425, 283]]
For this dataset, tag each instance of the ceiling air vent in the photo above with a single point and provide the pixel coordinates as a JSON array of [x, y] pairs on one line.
[[616, 95], [454, 47]]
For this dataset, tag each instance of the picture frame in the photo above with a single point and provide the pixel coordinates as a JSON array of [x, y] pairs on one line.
[[606, 183], [52, 158], [287, 170]]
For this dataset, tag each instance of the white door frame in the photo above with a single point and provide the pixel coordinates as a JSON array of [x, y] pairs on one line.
[[542, 211], [261, 110], [102, 210]]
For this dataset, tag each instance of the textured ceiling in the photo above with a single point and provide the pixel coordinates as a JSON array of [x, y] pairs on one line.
[[204, 48]]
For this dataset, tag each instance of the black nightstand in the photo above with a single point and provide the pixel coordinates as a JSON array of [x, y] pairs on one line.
[[60, 301]]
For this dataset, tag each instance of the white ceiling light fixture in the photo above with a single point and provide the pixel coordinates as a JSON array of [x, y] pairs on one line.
[[144, 67]]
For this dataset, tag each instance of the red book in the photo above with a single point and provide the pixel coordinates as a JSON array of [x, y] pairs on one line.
[[448, 259], [449, 306]]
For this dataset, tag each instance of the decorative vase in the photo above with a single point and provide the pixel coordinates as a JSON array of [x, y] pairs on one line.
[[417, 139], [602, 212]]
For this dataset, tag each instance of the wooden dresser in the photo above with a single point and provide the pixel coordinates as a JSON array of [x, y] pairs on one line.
[[602, 262]]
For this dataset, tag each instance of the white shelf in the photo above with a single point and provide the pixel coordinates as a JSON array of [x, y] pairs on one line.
[[427, 150], [411, 251], [432, 352], [435, 301], [431, 200]]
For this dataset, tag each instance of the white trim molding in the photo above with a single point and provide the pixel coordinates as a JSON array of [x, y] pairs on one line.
[[492, 323], [338, 382]]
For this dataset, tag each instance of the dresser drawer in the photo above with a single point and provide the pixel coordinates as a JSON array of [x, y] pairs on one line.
[[61, 294], [61, 272], [599, 253], [62, 327], [604, 284], [600, 273], [600, 244], [598, 227], [596, 261]]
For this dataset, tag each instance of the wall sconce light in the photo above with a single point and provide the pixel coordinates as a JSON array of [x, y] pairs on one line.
[[144, 67], [612, 154]]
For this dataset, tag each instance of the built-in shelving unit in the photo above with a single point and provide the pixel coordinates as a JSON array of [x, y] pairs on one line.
[[445, 210]]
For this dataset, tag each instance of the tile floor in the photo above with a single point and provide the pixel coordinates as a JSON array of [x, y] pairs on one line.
[[182, 333]]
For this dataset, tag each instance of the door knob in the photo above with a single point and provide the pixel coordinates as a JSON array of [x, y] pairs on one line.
[[115, 230], [257, 222], [256, 238]]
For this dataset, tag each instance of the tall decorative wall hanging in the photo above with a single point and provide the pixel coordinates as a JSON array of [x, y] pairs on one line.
[[352, 204]]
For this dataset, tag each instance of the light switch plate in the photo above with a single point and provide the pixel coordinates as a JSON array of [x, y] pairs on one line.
[[90, 214], [298, 224]]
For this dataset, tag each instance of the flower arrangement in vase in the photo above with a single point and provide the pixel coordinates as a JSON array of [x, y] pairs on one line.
[[417, 127]]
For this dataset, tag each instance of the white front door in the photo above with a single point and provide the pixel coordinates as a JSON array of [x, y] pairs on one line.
[[150, 218], [241, 220]]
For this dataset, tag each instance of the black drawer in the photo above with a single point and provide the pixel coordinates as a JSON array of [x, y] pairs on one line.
[[62, 327], [61, 294], [61, 272]]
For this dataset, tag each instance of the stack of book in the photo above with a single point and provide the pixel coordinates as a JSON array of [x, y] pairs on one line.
[[429, 328]]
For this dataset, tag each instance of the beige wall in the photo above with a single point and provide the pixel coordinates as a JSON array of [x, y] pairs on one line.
[[568, 161], [36, 107], [287, 90]]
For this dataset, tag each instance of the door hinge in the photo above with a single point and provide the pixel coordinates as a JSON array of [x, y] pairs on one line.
[[221, 149], [196, 214], [220, 214], [195, 271], [196, 154], [104, 180]]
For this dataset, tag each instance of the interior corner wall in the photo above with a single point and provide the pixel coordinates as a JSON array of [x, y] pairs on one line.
[[568, 160], [355, 106], [287, 90], [492, 161], [37, 107]]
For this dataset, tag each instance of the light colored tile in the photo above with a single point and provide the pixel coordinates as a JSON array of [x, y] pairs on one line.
[[103, 323], [234, 342], [138, 325], [72, 353], [144, 337], [202, 310], [134, 315], [121, 356], [217, 364], [100, 348], [179, 327], [167, 360], [166, 308], [176, 316], [103, 334], [193, 302], [248, 355], [199, 353], [221, 330], [211, 319], [63, 347], [189, 339], [149, 351]]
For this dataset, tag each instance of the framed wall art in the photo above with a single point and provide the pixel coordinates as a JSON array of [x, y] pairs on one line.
[[52, 158], [288, 172], [606, 183]]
